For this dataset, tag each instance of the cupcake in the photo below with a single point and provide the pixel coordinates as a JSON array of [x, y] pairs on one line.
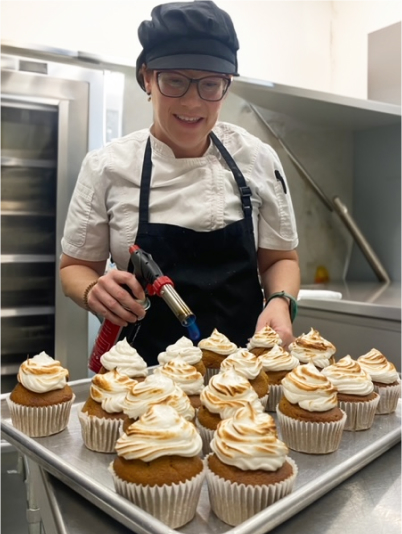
[[308, 413], [40, 403], [190, 353], [356, 395], [263, 341], [225, 393], [276, 363], [125, 359], [249, 468], [312, 347], [155, 389], [215, 349], [248, 365], [158, 467], [385, 379], [102, 414], [185, 376]]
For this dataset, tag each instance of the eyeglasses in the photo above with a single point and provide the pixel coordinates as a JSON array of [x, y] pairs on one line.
[[175, 85]]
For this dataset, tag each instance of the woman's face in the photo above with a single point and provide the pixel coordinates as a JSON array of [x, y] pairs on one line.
[[182, 123]]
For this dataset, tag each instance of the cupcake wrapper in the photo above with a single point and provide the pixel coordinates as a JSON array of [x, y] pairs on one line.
[[389, 397], [312, 438], [264, 401], [41, 421], [274, 396], [175, 505], [210, 373], [360, 415], [206, 436], [99, 434], [234, 503]]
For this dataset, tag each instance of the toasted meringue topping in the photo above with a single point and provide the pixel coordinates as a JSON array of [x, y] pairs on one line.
[[161, 431], [183, 347], [183, 374], [110, 390], [248, 440], [278, 359], [265, 338], [306, 386], [157, 388], [378, 367], [244, 362], [312, 347], [42, 373], [218, 343], [348, 377], [226, 392], [125, 359]]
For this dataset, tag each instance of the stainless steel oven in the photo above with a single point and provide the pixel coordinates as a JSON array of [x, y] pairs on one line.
[[51, 115]]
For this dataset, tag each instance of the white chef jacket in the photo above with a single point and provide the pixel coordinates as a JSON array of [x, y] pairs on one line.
[[196, 193]]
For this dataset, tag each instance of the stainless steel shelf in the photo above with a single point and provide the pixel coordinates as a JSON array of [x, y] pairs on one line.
[[27, 258], [17, 213], [22, 162], [27, 311]]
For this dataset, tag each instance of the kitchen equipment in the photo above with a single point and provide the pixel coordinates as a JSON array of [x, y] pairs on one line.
[[154, 282]]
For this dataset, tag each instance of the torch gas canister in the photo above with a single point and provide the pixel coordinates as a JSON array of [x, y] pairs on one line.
[[109, 334]]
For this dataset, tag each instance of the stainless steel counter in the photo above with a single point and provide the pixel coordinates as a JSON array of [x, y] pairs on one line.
[[364, 299], [369, 502]]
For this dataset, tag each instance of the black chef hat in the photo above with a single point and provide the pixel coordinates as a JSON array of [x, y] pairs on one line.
[[188, 35]]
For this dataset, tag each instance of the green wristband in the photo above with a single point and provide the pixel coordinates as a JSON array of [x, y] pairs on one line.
[[292, 302]]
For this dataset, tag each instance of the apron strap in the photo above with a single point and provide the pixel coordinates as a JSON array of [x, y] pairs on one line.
[[145, 184], [245, 191]]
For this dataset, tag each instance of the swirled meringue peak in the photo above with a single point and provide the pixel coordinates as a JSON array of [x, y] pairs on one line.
[[157, 388], [42, 373], [306, 386], [264, 338], [378, 367], [185, 348], [244, 362], [183, 374], [218, 343], [278, 359], [228, 391], [248, 440], [312, 347], [110, 390], [125, 359], [161, 431], [348, 377]]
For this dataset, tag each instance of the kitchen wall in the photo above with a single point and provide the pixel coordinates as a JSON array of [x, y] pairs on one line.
[[318, 45]]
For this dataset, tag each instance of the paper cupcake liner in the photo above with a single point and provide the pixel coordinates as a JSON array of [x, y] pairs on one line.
[[264, 401], [312, 438], [234, 503], [99, 434], [210, 373], [274, 396], [389, 396], [359, 415], [175, 504], [40, 421], [206, 436]]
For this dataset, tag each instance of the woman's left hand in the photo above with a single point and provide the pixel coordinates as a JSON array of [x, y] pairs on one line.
[[276, 315]]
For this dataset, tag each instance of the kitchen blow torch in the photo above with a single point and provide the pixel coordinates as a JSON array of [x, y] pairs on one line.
[[154, 282]]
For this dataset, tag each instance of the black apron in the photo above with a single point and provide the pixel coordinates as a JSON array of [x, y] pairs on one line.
[[215, 273]]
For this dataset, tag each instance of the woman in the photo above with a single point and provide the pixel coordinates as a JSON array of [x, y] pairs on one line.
[[208, 200]]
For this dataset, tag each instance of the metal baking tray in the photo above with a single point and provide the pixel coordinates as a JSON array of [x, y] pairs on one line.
[[65, 456]]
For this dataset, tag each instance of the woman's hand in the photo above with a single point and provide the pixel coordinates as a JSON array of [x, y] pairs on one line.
[[110, 300], [277, 316]]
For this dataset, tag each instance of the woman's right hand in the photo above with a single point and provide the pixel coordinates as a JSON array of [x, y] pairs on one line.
[[110, 300]]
